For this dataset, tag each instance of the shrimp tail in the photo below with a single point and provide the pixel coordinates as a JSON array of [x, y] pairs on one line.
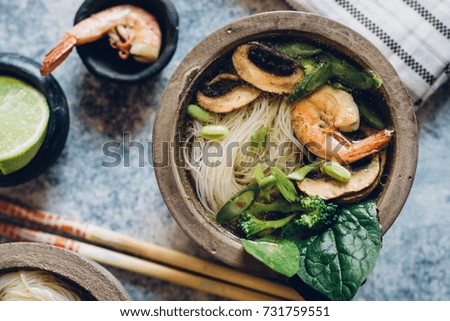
[[365, 147], [58, 54]]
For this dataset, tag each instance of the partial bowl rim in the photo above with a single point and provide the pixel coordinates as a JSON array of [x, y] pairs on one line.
[[27, 70], [187, 212], [85, 274]]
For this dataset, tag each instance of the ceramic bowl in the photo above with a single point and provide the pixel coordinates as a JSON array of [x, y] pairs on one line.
[[102, 61], [174, 181], [58, 127], [91, 281]]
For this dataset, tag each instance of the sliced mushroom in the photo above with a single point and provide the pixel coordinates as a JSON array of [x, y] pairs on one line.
[[363, 181], [358, 196], [226, 92], [267, 69]]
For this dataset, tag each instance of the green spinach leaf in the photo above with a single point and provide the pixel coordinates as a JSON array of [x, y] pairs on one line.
[[280, 254], [337, 261]]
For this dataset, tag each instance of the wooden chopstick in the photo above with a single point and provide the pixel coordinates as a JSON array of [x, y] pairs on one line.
[[147, 250], [134, 264]]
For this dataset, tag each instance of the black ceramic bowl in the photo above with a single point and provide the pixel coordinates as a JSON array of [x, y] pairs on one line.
[[58, 127], [102, 61]]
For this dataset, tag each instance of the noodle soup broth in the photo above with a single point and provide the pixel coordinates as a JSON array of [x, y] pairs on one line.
[[218, 168]]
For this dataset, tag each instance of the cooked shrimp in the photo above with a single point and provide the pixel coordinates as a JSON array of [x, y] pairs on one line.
[[319, 119], [131, 30]]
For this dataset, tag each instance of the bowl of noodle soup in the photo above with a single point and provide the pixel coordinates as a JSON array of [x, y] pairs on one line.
[[195, 187], [41, 272]]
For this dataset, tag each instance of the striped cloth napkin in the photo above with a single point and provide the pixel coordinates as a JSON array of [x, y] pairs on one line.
[[413, 35]]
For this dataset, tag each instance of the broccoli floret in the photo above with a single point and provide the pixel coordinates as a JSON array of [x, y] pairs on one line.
[[317, 215], [311, 214], [250, 225]]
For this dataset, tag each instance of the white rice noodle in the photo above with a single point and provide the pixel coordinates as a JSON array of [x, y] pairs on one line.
[[34, 286], [215, 185]]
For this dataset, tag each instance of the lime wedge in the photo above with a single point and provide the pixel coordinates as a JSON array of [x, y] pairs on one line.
[[24, 116]]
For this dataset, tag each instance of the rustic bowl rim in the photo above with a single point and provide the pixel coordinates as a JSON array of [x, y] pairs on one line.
[[210, 236], [87, 275]]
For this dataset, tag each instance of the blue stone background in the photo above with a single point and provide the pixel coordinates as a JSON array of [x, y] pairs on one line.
[[415, 260]]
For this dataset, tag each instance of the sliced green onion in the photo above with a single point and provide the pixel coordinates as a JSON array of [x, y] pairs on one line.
[[199, 113], [284, 185], [214, 132], [238, 204], [267, 182], [301, 173], [336, 171], [370, 116], [259, 138], [258, 173]]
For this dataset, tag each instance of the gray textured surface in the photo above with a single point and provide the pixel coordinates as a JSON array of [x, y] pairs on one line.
[[415, 259]]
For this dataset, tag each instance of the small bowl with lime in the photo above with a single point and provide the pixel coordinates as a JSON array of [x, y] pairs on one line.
[[34, 121]]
